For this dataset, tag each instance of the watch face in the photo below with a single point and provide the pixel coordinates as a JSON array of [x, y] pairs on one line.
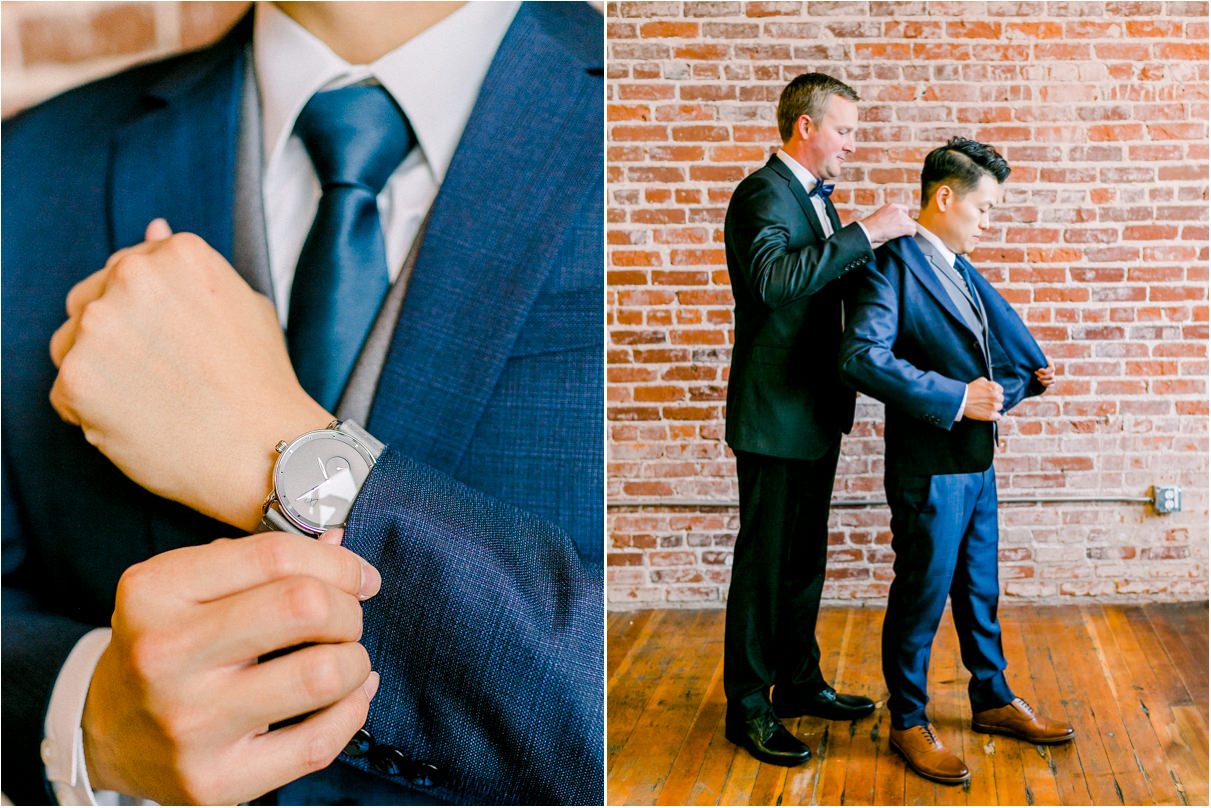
[[317, 478]]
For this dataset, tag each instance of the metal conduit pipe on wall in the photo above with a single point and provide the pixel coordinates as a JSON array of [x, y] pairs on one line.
[[858, 503]]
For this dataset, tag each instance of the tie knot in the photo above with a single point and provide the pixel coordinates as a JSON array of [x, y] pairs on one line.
[[354, 136], [821, 190]]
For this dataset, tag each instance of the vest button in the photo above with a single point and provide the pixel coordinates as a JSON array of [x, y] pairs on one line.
[[388, 760], [359, 744]]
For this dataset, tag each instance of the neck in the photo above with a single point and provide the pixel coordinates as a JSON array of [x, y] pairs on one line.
[[796, 149], [930, 222], [359, 32]]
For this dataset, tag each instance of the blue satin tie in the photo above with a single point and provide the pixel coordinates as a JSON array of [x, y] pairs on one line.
[[356, 138], [821, 190]]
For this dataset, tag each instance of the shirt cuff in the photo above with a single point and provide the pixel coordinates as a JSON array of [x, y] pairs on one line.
[[962, 407], [63, 736]]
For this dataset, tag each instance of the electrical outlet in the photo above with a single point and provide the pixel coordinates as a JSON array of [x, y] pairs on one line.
[[1167, 499]]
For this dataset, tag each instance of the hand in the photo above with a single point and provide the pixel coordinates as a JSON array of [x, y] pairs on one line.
[[888, 222], [1046, 376], [984, 400], [178, 372], [178, 709]]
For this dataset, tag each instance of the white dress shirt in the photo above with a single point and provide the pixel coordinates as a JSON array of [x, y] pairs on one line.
[[435, 79]]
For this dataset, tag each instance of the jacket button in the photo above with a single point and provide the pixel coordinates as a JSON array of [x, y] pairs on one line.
[[422, 775], [359, 744], [388, 760]]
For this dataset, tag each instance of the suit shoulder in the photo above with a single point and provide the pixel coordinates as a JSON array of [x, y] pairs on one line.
[[578, 28], [81, 114], [760, 183]]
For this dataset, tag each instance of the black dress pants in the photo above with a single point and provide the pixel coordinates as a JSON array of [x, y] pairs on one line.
[[777, 577]]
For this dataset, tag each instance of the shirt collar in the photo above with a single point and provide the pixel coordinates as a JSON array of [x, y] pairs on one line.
[[434, 77], [806, 178], [933, 239]]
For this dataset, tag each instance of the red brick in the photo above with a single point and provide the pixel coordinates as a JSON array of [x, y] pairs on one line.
[[1100, 243], [118, 30]]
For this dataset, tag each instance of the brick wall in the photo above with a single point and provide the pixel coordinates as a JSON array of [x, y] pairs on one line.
[[47, 47], [1100, 244]]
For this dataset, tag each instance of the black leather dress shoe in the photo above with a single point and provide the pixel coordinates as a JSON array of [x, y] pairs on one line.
[[826, 703], [766, 739]]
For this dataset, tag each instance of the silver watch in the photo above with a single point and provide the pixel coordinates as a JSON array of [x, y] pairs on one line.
[[317, 477]]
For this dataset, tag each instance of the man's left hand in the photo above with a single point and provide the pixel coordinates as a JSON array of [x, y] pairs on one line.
[[178, 372], [1046, 376]]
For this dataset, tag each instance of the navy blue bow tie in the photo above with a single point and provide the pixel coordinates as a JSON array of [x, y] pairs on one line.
[[821, 190]]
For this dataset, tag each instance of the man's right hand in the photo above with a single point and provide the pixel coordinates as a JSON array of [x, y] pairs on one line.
[[888, 222], [984, 400], [178, 709]]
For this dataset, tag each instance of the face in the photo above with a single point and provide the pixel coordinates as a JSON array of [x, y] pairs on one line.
[[829, 141], [961, 219]]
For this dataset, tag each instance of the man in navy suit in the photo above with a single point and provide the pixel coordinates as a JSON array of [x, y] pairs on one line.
[[789, 260], [468, 574], [929, 337]]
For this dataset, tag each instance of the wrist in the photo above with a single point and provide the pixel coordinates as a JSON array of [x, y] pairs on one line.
[[252, 475]]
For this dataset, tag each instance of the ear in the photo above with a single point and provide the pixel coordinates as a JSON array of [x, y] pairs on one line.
[[804, 126], [943, 196]]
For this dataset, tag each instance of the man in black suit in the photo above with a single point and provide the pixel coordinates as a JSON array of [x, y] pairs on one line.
[[787, 255]]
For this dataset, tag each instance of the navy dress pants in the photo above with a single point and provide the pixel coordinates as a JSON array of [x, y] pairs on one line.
[[777, 577], [944, 534]]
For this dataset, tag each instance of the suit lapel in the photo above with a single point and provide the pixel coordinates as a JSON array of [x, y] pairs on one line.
[[833, 218], [495, 228], [796, 188], [920, 265], [177, 159]]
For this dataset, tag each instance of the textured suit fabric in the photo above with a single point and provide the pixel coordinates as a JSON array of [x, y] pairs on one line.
[[489, 400], [908, 345], [786, 411]]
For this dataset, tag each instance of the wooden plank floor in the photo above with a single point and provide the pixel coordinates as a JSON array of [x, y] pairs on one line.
[[1132, 680]]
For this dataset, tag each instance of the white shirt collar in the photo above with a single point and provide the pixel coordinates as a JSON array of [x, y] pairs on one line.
[[806, 178], [434, 77], [933, 239]]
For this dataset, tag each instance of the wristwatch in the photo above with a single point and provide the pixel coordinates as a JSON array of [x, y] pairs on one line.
[[317, 477]]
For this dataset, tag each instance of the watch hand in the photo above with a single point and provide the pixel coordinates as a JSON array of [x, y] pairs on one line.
[[341, 485], [323, 470]]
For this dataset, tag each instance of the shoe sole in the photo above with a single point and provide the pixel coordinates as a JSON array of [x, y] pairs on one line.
[[937, 778], [855, 717], [770, 759], [1009, 734]]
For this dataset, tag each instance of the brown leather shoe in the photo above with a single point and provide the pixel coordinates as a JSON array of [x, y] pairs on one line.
[[927, 756], [1018, 719]]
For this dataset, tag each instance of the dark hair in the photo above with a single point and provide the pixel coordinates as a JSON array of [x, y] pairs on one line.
[[808, 94], [960, 164]]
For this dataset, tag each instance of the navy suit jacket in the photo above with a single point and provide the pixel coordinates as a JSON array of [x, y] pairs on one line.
[[783, 395], [908, 346], [484, 514]]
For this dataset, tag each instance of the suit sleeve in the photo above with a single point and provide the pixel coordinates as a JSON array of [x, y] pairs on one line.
[[488, 634], [36, 643], [777, 274], [868, 362]]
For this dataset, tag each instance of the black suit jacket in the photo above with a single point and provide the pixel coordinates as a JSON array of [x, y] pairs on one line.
[[784, 397]]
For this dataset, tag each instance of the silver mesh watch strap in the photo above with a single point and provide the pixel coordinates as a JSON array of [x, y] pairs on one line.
[[274, 520], [363, 437]]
